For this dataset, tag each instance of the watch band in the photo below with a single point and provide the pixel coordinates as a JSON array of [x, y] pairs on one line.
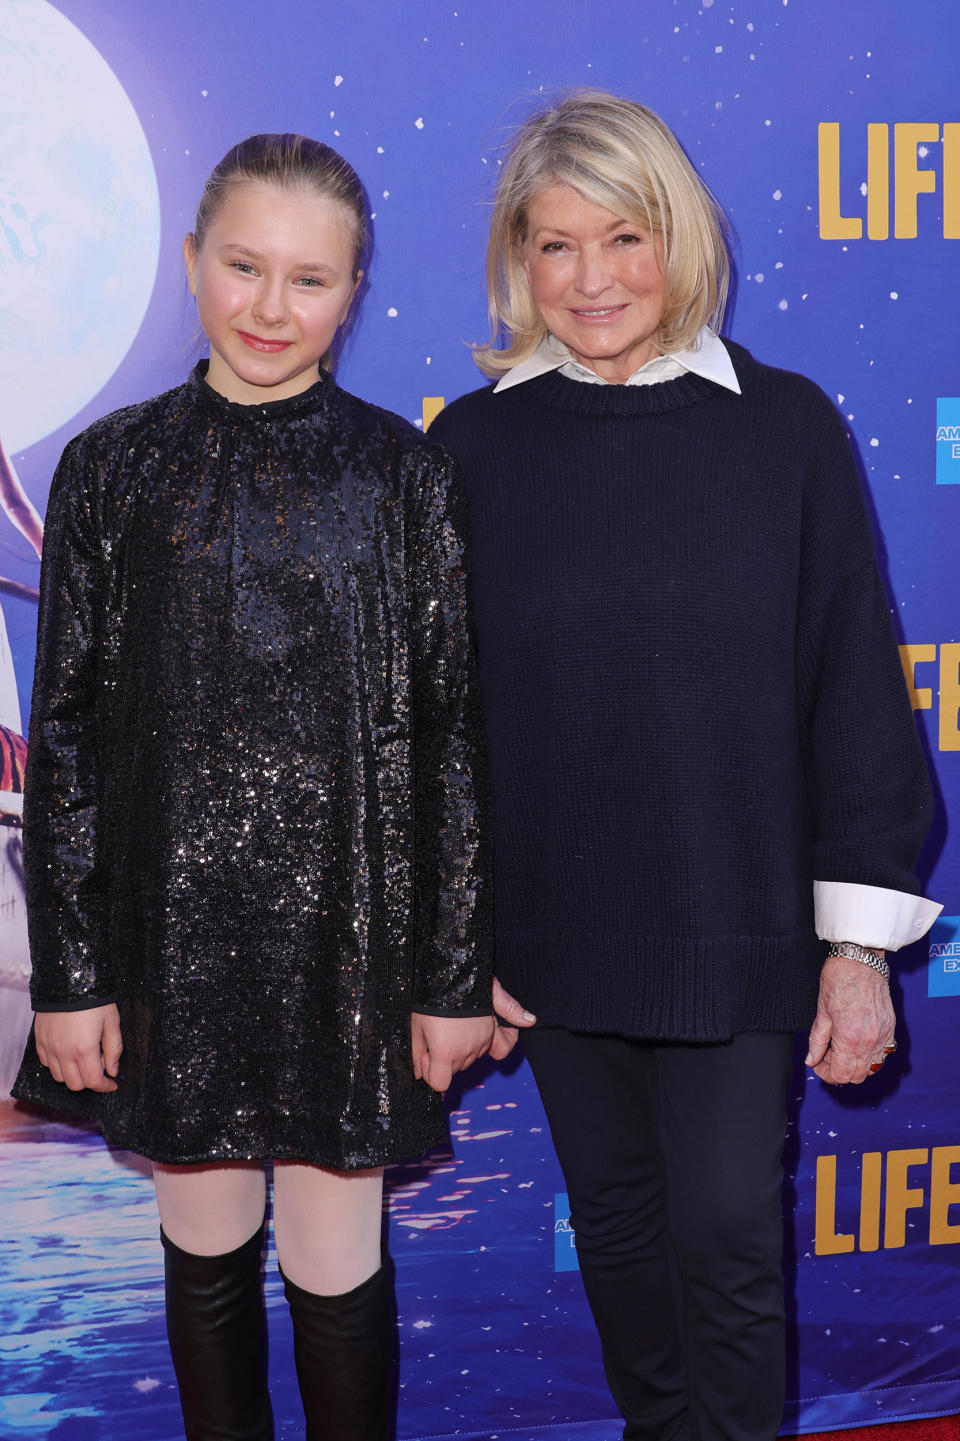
[[851, 951]]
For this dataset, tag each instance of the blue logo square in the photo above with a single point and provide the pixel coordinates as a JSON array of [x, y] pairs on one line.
[[948, 440], [564, 1247], [943, 973]]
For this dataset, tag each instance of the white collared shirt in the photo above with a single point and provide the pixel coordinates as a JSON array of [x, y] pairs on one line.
[[843, 911], [707, 357]]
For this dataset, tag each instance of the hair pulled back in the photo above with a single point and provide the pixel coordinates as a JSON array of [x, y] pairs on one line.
[[290, 162]]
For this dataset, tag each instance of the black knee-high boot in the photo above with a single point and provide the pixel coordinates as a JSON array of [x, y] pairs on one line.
[[344, 1348], [216, 1326]]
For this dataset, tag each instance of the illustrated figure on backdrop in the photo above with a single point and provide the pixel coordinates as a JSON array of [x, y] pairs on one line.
[[21, 512], [257, 851], [703, 760], [15, 1012]]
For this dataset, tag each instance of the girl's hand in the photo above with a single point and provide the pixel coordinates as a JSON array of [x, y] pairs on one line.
[[510, 1011], [81, 1049], [443, 1045]]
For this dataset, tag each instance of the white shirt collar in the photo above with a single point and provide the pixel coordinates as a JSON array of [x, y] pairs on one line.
[[707, 357]]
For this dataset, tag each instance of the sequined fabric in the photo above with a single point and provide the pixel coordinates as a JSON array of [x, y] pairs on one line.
[[256, 803]]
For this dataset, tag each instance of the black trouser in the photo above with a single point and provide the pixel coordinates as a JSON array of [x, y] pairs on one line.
[[672, 1155]]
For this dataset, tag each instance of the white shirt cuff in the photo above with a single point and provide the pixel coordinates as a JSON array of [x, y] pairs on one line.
[[871, 915]]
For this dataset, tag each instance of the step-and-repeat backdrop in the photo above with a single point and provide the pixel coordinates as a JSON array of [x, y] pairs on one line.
[[831, 134]]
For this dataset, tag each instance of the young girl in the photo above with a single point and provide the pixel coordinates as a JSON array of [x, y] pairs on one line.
[[257, 853]]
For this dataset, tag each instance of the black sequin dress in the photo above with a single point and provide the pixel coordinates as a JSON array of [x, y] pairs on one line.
[[256, 802]]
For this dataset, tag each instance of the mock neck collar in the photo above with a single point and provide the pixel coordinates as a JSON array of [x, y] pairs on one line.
[[294, 406]]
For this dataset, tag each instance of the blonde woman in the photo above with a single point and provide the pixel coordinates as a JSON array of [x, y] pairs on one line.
[[703, 761]]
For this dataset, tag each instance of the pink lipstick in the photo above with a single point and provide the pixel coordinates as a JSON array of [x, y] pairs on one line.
[[266, 347]]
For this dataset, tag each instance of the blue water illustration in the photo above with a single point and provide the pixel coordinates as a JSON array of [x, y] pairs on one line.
[[493, 1343], [496, 1341]]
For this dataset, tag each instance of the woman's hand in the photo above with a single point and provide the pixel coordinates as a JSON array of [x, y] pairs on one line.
[[443, 1045], [855, 1022], [81, 1049], [512, 1012]]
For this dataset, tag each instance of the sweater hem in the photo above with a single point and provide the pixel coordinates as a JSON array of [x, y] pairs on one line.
[[663, 987]]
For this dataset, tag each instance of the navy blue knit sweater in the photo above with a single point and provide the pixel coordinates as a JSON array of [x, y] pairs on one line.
[[693, 699]]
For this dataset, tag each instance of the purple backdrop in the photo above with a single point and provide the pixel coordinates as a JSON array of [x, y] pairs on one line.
[[819, 127]]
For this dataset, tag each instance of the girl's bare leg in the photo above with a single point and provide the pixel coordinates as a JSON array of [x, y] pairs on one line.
[[327, 1225], [210, 1210]]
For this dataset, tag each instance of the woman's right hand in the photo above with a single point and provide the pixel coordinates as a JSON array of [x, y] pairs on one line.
[[511, 1015], [81, 1049]]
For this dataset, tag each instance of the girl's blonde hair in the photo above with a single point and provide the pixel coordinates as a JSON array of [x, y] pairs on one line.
[[622, 156], [289, 162]]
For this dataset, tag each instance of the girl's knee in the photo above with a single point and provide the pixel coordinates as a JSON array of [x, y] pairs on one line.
[[327, 1226], [210, 1210]]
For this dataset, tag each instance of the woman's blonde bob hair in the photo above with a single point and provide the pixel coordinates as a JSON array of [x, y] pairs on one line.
[[619, 155]]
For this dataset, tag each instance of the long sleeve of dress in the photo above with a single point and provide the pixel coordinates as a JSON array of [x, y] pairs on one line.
[[65, 913], [872, 798], [453, 922]]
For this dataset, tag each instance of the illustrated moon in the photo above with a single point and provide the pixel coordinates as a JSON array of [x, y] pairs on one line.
[[79, 222]]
